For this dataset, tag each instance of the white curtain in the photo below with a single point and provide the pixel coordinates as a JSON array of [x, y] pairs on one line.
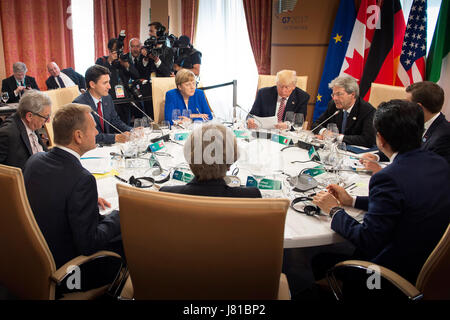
[[222, 38]]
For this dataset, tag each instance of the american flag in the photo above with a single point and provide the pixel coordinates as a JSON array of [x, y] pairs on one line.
[[412, 60]]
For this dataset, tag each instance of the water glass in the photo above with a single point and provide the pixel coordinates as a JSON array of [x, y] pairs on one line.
[[5, 96], [176, 115], [289, 118], [298, 121]]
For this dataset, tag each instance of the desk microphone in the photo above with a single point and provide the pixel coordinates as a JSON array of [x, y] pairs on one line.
[[250, 115], [142, 111], [337, 111], [106, 121]]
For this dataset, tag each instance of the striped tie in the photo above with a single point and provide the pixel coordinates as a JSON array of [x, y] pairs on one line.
[[281, 109]]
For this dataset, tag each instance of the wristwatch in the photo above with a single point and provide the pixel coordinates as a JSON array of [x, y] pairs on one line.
[[334, 210]]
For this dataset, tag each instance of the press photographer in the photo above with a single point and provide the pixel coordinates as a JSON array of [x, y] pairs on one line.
[[122, 74], [157, 49], [186, 57]]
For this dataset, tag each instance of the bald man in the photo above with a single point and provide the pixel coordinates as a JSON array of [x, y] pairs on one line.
[[64, 78]]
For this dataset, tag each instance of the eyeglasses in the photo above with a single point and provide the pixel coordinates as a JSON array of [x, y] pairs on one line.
[[41, 116], [337, 94]]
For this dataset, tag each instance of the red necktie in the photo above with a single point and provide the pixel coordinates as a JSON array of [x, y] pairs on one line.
[[281, 109], [99, 111]]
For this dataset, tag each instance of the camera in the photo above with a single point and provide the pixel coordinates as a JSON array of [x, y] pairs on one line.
[[182, 50], [122, 56]]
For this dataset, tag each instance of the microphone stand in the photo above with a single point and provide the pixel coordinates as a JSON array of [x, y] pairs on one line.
[[337, 111]]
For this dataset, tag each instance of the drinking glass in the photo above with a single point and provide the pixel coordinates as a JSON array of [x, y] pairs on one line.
[[298, 121], [187, 114], [289, 118], [176, 115], [164, 126], [331, 133], [5, 96]]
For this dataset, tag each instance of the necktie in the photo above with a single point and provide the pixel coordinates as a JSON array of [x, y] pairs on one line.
[[281, 109], [35, 146], [344, 121], [100, 113], [61, 82]]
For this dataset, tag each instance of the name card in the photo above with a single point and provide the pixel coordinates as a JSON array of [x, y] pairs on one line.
[[182, 176], [264, 184], [158, 145], [181, 136], [281, 139]]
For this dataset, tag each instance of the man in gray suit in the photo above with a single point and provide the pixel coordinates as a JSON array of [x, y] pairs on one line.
[[111, 129]]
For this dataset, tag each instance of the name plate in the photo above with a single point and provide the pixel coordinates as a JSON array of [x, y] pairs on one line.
[[264, 184], [182, 176], [158, 145], [314, 171], [281, 139], [181, 136], [242, 134]]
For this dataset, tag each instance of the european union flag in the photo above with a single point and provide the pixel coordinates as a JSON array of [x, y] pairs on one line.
[[340, 37]]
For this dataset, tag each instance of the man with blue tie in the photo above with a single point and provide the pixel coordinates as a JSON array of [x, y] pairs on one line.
[[111, 129], [18, 83], [354, 120]]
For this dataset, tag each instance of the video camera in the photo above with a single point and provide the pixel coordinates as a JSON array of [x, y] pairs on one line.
[[122, 56], [162, 38], [183, 49]]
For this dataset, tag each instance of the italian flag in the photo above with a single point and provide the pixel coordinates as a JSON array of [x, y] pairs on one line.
[[438, 61]]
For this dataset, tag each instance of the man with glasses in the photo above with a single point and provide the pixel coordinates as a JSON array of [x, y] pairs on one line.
[[354, 120], [19, 138], [279, 99], [18, 83]]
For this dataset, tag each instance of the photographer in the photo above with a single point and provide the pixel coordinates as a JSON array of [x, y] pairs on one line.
[[145, 62], [157, 52], [187, 57], [121, 74]]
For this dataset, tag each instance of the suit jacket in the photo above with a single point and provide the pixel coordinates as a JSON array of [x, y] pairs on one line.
[[109, 113], [408, 211], [174, 100], [10, 84], [146, 71], [437, 137], [213, 188], [265, 104], [77, 78], [359, 129], [63, 197], [15, 147]]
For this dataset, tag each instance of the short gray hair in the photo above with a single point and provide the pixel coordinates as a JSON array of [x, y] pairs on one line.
[[348, 83], [19, 67], [285, 77], [33, 101]]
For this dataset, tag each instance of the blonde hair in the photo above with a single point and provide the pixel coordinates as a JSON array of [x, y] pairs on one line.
[[286, 77], [210, 151], [183, 76], [67, 119]]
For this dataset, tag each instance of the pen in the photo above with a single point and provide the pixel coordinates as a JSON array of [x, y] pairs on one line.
[[120, 179]]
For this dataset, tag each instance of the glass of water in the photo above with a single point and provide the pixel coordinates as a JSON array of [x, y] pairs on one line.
[[5, 96]]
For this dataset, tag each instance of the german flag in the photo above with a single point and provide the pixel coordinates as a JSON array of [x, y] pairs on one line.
[[384, 55]]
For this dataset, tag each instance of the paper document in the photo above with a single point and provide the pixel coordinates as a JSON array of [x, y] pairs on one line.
[[266, 122]]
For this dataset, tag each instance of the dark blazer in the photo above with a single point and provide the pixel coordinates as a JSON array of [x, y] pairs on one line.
[[146, 71], [359, 129], [15, 147], [437, 137], [109, 113], [77, 78], [213, 188], [265, 103], [63, 197], [10, 84], [408, 210]]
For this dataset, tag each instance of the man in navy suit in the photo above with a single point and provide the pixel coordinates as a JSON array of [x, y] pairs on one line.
[[63, 78], [63, 194], [97, 97], [436, 136], [354, 120], [279, 99], [408, 209], [18, 83]]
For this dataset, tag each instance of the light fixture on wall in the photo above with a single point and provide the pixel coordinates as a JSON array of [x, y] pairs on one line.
[[285, 5]]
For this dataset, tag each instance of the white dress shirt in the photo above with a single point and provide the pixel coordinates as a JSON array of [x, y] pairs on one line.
[[65, 78]]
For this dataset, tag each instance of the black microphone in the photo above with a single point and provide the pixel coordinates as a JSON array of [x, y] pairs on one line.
[[250, 115], [337, 111]]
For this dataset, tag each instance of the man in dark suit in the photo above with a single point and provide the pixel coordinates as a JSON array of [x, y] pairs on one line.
[[97, 97], [210, 169], [354, 120], [436, 136], [408, 209], [18, 136], [63, 78], [18, 83], [63, 195], [279, 99]]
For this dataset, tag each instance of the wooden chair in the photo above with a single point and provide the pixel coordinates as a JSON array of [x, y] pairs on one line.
[[270, 81], [191, 247], [59, 98], [382, 92], [433, 282], [28, 269], [160, 85]]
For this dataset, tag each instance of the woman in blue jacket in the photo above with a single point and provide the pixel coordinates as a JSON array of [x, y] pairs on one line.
[[186, 96]]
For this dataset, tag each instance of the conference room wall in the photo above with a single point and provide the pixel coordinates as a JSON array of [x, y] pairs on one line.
[[300, 41], [2, 55]]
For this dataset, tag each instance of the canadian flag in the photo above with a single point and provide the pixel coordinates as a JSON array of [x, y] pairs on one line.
[[361, 39]]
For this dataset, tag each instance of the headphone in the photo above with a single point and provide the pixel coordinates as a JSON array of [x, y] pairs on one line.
[[309, 210]]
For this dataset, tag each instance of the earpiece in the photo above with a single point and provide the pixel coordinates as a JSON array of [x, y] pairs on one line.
[[309, 210]]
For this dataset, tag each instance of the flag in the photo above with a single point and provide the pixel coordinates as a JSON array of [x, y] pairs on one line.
[[438, 61], [412, 59], [340, 37], [384, 55], [361, 39]]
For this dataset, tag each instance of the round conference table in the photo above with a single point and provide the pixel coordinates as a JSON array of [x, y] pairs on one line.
[[259, 155]]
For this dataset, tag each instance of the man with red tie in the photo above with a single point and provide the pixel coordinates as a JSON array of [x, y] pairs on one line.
[[111, 129], [277, 100]]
